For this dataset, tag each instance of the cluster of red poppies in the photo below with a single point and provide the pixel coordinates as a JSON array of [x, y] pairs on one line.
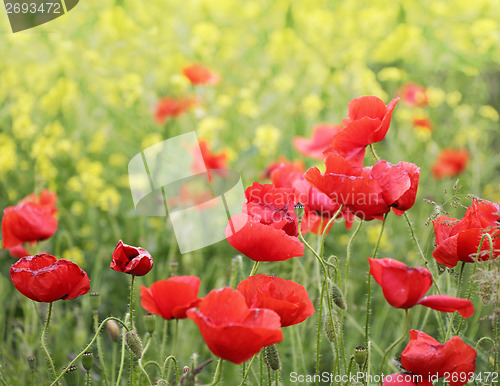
[[171, 107]]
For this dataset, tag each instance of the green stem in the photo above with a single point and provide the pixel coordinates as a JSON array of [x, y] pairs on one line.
[[373, 152], [131, 309], [44, 346], [122, 357], [164, 368], [87, 382], [131, 303], [174, 343], [99, 350], [87, 348], [218, 373], [348, 258], [113, 363], [245, 376], [152, 363], [396, 343], [254, 268], [450, 325], [326, 230], [164, 338], [421, 253], [318, 336], [369, 294]]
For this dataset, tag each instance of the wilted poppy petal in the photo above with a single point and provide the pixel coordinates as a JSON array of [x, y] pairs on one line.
[[445, 303]]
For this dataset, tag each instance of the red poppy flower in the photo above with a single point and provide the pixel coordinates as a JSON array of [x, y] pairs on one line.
[[318, 207], [321, 140], [171, 298], [18, 251], [46, 198], [405, 287], [43, 278], [414, 94], [368, 121], [423, 123], [367, 192], [281, 161], [287, 298], [198, 74], [427, 357], [449, 163], [267, 229], [231, 329], [208, 159], [458, 240], [172, 108], [28, 222], [132, 260]]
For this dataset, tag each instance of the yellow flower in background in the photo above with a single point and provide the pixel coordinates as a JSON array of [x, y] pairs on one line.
[[312, 105], [491, 192], [109, 199], [205, 38], [23, 127], [210, 128], [435, 96], [373, 233], [283, 83], [266, 139], [393, 74], [150, 140], [117, 160], [489, 112], [98, 143], [453, 98], [75, 255], [8, 157], [248, 108]]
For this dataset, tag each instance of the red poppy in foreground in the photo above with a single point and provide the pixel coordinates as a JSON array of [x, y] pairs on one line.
[[231, 329], [172, 108], [405, 287], [414, 94], [198, 74], [27, 222], [267, 229], [287, 298], [321, 139], [132, 260], [208, 159], [368, 192], [458, 240], [450, 163], [281, 161], [171, 298], [425, 356], [43, 278], [368, 121]]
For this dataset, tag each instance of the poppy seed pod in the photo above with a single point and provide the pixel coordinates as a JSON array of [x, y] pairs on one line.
[[134, 343], [113, 330], [32, 362], [95, 300], [272, 357], [87, 360], [71, 376], [360, 355]]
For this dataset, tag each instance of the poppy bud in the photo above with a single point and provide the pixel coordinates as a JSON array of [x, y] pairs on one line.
[[174, 264], [338, 298], [299, 210], [95, 300], [150, 323], [71, 376], [186, 369], [32, 362], [272, 357], [332, 327], [134, 343], [87, 360], [360, 355], [113, 330]]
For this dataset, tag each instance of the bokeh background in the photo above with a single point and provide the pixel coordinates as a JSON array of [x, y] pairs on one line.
[[77, 102]]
